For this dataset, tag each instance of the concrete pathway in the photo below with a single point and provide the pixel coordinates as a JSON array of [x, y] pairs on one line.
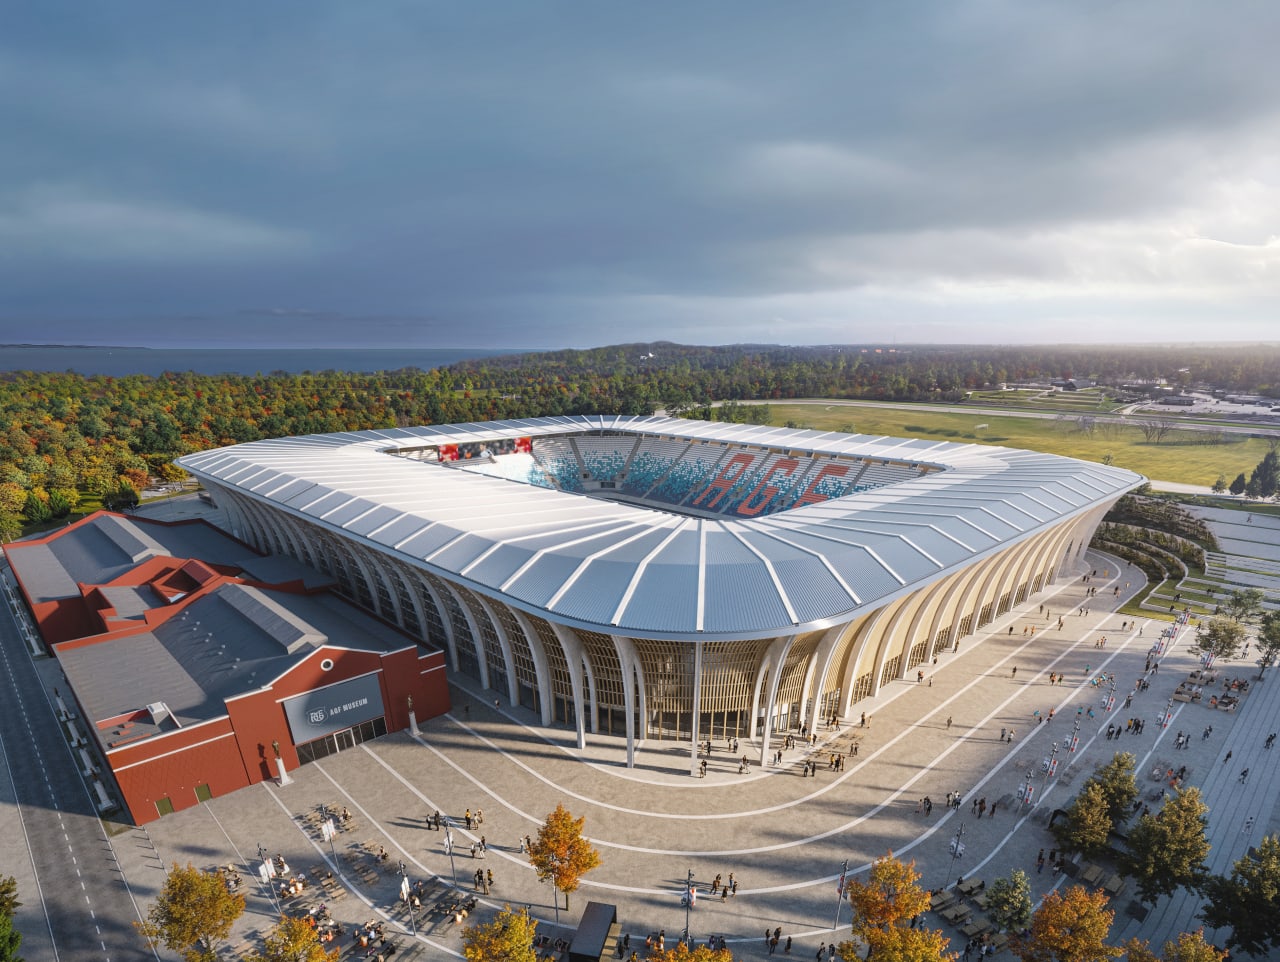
[[783, 836]]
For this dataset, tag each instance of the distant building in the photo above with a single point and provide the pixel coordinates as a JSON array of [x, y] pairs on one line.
[[1179, 400]]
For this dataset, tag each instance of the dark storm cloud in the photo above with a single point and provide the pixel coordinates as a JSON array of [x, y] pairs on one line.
[[556, 173]]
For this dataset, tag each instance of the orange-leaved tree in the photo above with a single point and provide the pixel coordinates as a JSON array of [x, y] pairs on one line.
[[508, 937], [1070, 926], [1189, 947], [883, 907], [561, 854], [293, 940]]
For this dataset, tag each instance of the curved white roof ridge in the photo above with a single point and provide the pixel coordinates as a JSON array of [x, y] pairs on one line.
[[621, 567]]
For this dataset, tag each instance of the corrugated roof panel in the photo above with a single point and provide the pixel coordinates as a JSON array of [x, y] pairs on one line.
[[597, 592], [353, 509], [537, 583], [813, 591], [666, 598], [469, 553], [744, 595], [864, 574]]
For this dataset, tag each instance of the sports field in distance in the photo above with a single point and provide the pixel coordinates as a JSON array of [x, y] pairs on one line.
[[1187, 457]]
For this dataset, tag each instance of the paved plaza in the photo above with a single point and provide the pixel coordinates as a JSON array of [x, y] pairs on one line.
[[782, 835]]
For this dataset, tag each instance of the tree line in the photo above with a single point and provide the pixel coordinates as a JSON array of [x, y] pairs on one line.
[[65, 436]]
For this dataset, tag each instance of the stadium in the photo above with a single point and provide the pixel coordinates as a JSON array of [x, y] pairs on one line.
[[657, 578]]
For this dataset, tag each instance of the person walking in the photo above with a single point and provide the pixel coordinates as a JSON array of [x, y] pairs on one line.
[[1244, 775], [1227, 759], [949, 725]]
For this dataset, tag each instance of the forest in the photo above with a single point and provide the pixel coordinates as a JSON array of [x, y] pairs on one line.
[[70, 439]]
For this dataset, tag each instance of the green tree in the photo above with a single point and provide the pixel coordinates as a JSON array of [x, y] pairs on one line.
[[122, 498], [1238, 485], [1268, 640], [1244, 604], [561, 853], [1220, 637], [10, 526], [1220, 485], [1167, 850], [1246, 901], [293, 940], [193, 914], [1088, 822], [59, 506], [10, 940], [1267, 474], [1009, 901], [8, 894], [1070, 926], [36, 509], [1119, 785], [508, 938]]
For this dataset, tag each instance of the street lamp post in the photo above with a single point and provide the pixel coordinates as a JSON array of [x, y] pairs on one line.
[[1050, 767], [270, 874], [844, 871], [448, 847], [404, 894], [688, 904], [1027, 792], [957, 849]]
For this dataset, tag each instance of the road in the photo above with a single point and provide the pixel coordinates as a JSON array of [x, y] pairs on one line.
[[77, 906]]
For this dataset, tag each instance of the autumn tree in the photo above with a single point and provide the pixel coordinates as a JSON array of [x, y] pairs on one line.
[[561, 854], [1069, 926], [1220, 637], [293, 940], [1009, 901], [1246, 900], [193, 914], [508, 938], [883, 907], [1189, 947], [901, 944], [1167, 850], [1088, 823]]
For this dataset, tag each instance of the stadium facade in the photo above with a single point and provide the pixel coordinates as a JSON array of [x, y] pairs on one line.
[[657, 578]]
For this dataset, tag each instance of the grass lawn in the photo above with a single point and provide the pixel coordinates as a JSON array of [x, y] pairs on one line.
[[1182, 457]]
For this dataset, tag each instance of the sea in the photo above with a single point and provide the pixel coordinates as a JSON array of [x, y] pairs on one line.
[[122, 361]]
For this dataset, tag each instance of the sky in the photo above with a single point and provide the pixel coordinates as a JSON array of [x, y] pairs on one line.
[[551, 174]]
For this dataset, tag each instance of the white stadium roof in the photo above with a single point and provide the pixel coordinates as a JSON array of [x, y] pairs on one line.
[[642, 570]]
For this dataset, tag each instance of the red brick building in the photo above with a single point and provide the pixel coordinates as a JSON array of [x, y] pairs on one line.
[[192, 660]]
